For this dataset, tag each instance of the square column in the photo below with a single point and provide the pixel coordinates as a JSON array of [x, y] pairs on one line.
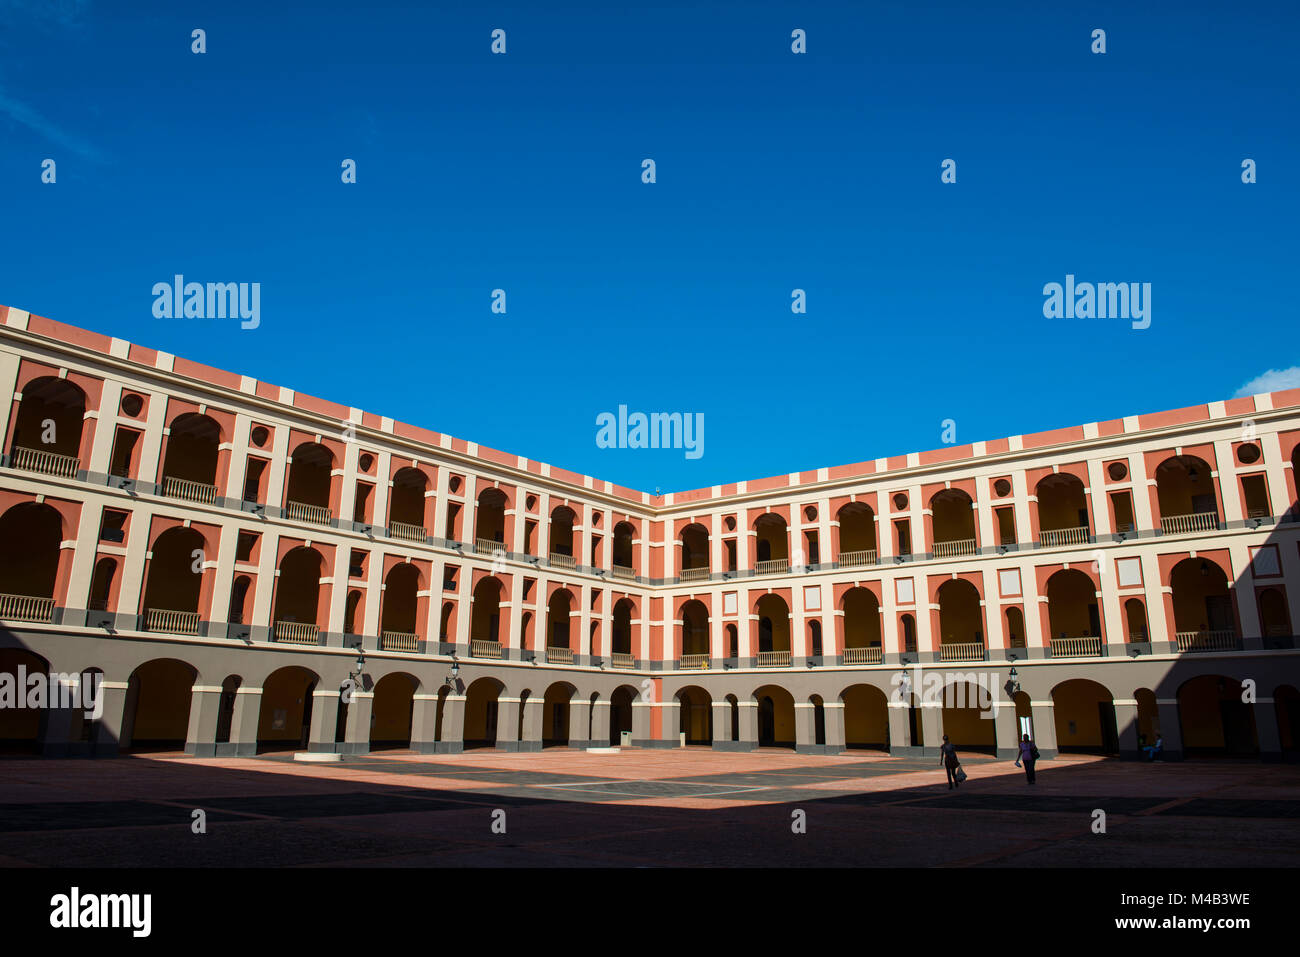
[[453, 725], [205, 707], [1043, 717], [1170, 728], [243, 723], [600, 723], [748, 726], [325, 717], [532, 737], [834, 712], [1126, 720], [900, 731]]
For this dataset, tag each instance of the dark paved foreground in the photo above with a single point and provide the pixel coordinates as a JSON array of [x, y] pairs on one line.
[[644, 808]]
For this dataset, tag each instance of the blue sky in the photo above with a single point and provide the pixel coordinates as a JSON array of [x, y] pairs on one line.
[[775, 172]]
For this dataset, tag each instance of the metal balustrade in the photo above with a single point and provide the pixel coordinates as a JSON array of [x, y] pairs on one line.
[[963, 651], [562, 561], [302, 512], [858, 559], [559, 656], [1084, 647], [774, 659], [694, 574], [186, 490], [483, 648], [693, 662], [406, 532], [871, 655], [777, 567], [964, 546], [26, 608], [171, 622], [1055, 537], [297, 633], [621, 660], [1195, 522], [398, 641], [1192, 641], [39, 460]]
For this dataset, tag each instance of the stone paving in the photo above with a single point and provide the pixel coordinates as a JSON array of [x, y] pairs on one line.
[[644, 808]]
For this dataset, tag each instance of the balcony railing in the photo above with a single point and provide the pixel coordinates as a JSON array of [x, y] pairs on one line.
[[693, 662], [301, 512], [559, 656], [188, 491], [871, 655], [774, 659], [777, 567], [965, 651], [483, 648], [1052, 538], [965, 546], [407, 532], [171, 622], [398, 641], [51, 463], [26, 608], [1196, 522], [865, 556], [623, 571], [488, 546], [1086, 647], [694, 574], [1226, 640], [621, 660], [297, 633], [562, 561]]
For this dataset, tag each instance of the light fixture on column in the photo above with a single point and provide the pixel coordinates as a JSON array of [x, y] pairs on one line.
[[360, 664], [455, 672]]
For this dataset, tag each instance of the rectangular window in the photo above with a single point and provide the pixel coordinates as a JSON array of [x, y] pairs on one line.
[[124, 443]]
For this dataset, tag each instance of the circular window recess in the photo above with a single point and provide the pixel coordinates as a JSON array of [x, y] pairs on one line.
[[730, 523], [1118, 471], [1248, 454], [531, 503], [1002, 487], [365, 461], [900, 501], [595, 518], [132, 404], [810, 513], [259, 436], [454, 484]]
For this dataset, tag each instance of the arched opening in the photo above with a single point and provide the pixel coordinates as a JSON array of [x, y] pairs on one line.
[[391, 711], [695, 715], [30, 536], [1185, 493], [695, 552], [624, 534], [174, 582], [351, 622], [1148, 716], [297, 596], [47, 432], [1214, 718], [1015, 628], [21, 728], [307, 492], [961, 622], [190, 466], [284, 722], [861, 627], [695, 630], [562, 521], [733, 704], [857, 535], [1274, 619], [1062, 511], [485, 616], [621, 628], [773, 630], [101, 584], [775, 717], [1085, 718], [490, 520], [952, 514], [620, 714], [406, 511], [238, 600], [866, 718], [733, 641], [1135, 618], [444, 622], [1073, 614], [815, 638], [558, 610], [819, 720], [226, 709], [158, 697], [555, 715], [772, 544], [481, 711], [968, 715], [909, 634], [398, 616], [1203, 612]]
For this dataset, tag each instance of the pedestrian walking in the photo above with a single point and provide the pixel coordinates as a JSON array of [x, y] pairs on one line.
[[1028, 756], [948, 758]]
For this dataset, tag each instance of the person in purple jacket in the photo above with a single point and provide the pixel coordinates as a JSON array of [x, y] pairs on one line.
[[1028, 755]]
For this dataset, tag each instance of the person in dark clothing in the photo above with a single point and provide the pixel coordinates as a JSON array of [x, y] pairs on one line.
[[948, 758], [1028, 755]]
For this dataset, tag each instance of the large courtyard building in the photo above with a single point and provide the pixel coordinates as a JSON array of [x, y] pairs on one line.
[[244, 568]]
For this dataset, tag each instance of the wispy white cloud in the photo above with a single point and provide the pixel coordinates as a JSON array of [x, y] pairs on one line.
[[1273, 380], [24, 115]]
